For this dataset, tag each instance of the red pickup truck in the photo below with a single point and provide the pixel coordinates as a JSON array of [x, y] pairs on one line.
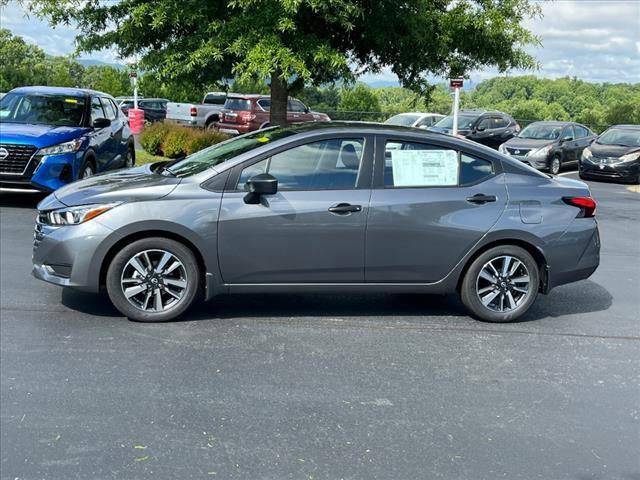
[[246, 113]]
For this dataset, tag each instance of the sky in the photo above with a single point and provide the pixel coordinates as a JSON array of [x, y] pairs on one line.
[[594, 40]]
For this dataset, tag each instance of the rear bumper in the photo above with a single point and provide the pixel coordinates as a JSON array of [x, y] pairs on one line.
[[575, 255], [622, 172], [184, 123], [234, 128]]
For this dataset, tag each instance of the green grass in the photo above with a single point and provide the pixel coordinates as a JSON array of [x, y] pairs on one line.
[[143, 157]]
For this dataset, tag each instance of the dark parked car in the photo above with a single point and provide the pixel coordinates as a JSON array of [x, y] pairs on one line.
[[325, 207], [50, 136], [486, 127], [613, 155], [155, 109], [549, 145], [246, 113]]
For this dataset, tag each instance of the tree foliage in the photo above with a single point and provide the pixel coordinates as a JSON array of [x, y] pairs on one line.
[[295, 42]]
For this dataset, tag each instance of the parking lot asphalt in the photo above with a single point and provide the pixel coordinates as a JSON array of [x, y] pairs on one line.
[[323, 387]]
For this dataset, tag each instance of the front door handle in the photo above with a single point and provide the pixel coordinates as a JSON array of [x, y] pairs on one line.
[[481, 199], [345, 208]]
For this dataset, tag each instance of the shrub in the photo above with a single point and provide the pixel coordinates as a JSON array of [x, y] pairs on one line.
[[174, 141], [152, 137]]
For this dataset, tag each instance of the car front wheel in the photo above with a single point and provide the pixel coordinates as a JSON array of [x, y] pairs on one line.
[[501, 284], [555, 164], [153, 280]]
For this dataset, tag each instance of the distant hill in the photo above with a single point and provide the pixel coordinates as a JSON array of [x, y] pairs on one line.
[[88, 62]]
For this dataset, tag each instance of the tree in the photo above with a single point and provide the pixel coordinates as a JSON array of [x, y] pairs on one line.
[[359, 101], [297, 42], [22, 64], [107, 79]]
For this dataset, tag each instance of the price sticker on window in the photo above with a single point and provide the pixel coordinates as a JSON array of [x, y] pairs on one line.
[[424, 168]]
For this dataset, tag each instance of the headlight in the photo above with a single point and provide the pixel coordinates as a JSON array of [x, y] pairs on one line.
[[540, 152], [586, 154], [503, 149], [77, 215], [630, 157], [72, 146]]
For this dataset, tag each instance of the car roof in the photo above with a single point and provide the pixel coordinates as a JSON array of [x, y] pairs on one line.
[[554, 122], [626, 126], [418, 113], [68, 91]]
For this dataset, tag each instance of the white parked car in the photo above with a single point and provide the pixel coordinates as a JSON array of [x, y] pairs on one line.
[[415, 119]]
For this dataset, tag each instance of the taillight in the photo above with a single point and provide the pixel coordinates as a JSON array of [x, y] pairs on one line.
[[587, 205], [246, 117], [194, 112]]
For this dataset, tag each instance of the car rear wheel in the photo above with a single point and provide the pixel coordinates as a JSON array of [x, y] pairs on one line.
[[130, 161], [153, 280], [501, 284], [555, 164]]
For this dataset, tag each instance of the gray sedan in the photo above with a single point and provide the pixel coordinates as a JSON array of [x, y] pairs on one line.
[[336, 207]]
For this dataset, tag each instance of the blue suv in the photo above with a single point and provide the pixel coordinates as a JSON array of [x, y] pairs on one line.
[[51, 136]]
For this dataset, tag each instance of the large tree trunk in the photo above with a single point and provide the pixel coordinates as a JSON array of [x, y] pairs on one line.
[[279, 99]]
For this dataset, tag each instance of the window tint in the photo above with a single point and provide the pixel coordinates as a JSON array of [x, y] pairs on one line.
[[581, 131], [568, 132], [296, 106], [486, 123], [427, 122], [500, 122], [237, 104], [325, 165], [214, 99], [419, 165], [265, 103], [96, 109], [474, 169], [109, 111]]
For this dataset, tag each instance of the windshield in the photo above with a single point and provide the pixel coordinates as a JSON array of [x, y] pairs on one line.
[[537, 131], [465, 122], [38, 108], [620, 136], [221, 152], [403, 119]]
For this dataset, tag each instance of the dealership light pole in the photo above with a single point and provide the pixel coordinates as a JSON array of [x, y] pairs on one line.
[[456, 84]]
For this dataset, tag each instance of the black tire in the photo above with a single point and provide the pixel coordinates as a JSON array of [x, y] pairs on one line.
[[130, 160], [88, 169], [555, 164], [211, 123], [470, 284], [116, 272]]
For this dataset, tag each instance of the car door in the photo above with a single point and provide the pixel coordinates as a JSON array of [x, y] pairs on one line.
[[569, 145], [297, 112], [113, 148], [429, 206], [99, 138], [312, 230], [483, 131], [584, 138]]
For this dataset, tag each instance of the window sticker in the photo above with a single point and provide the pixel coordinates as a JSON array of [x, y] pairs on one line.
[[71, 100], [424, 168]]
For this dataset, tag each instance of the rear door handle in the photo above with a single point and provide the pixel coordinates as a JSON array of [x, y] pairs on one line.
[[345, 208], [481, 199]]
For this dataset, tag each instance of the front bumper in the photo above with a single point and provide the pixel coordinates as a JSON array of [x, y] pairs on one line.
[[46, 173], [65, 255], [539, 163], [620, 171]]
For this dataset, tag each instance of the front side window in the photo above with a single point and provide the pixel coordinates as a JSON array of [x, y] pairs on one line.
[[404, 119], [109, 111], [324, 165], [296, 106], [409, 164], [38, 108], [581, 131], [465, 122], [96, 109]]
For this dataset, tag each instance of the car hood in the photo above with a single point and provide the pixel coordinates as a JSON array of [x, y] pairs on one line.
[[527, 143], [132, 185], [615, 151], [40, 136]]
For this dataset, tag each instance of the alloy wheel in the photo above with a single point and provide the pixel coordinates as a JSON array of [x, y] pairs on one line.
[[554, 167], [129, 160], [154, 280], [87, 172], [503, 284]]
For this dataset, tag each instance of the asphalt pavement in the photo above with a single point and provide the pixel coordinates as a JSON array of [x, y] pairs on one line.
[[323, 387]]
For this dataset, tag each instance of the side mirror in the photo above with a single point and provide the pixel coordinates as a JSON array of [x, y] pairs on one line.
[[480, 128], [101, 123], [568, 138], [262, 184]]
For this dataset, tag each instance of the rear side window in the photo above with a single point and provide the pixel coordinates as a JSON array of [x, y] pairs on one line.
[[418, 165], [325, 165], [265, 104], [96, 109], [500, 122], [296, 106], [214, 99], [237, 104], [581, 131]]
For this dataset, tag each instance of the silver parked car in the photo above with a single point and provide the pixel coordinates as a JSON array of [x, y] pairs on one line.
[[335, 207], [415, 119]]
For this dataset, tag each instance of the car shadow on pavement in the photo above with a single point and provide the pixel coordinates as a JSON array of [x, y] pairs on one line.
[[21, 199], [575, 299]]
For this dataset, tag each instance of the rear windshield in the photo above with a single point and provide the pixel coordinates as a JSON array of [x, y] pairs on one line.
[[39, 108], [213, 99], [403, 119], [620, 136], [237, 104], [221, 152]]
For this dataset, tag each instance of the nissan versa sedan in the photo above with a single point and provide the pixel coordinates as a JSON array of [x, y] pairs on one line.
[[323, 207], [549, 145], [615, 155]]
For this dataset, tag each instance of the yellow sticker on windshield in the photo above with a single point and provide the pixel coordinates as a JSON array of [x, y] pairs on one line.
[[71, 100], [263, 139]]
